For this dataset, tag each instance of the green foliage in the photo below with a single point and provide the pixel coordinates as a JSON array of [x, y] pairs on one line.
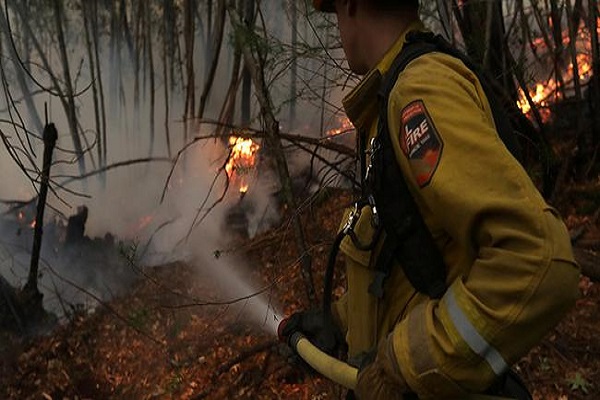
[[175, 383], [577, 382]]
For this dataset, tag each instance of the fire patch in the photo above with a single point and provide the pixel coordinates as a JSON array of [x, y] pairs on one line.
[[420, 142]]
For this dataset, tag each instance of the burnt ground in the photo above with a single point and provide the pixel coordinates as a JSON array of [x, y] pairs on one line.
[[153, 344]]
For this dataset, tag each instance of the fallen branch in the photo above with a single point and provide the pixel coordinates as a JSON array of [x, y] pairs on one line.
[[259, 348], [72, 178], [254, 62]]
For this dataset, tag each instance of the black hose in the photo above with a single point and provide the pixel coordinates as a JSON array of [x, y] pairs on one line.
[[329, 272]]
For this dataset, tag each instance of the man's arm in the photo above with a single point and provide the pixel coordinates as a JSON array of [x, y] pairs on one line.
[[513, 277]]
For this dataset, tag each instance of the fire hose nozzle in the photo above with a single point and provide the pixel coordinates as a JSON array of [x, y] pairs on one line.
[[334, 369], [280, 329], [328, 366]]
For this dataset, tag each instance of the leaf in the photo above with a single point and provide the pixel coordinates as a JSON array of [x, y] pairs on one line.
[[578, 382]]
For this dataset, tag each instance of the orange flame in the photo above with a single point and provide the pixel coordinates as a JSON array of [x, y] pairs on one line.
[[345, 127], [546, 92], [242, 159]]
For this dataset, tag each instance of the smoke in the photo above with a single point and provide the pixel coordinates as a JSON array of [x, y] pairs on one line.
[[172, 234], [128, 202]]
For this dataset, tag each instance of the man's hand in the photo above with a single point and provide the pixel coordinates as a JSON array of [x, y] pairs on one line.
[[379, 377], [321, 331]]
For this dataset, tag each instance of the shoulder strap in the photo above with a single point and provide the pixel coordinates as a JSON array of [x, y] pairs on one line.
[[407, 237]]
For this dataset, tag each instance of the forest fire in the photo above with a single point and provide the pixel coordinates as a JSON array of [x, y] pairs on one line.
[[242, 159], [345, 126], [549, 91]]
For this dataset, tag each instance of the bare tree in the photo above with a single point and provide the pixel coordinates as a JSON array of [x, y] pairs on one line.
[[254, 61]]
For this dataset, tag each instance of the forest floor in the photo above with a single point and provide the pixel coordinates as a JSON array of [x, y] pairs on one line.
[[151, 344]]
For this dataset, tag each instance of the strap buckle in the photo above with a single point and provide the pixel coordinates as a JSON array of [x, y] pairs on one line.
[[374, 148], [352, 219], [375, 214]]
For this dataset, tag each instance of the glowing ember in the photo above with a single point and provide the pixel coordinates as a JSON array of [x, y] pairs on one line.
[[242, 159], [345, 127]]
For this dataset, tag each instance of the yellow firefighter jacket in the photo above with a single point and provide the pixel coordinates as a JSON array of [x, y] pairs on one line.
[[511, 271]]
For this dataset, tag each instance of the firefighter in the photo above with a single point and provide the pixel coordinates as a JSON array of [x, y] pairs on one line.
[[510, 271]]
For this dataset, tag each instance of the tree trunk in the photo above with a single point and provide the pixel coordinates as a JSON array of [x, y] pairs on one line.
[[125, 26], [188, 32], [255, 66], [559, 62], [91, 60], [95, 37], [69, 93], [488, 49], [594, 88], [443, 8], [246, 98], [139, 46], [169, 23], [21, 79], [167, 71], [32, 297], [246, 76], [149, 44], [217, 40], [294, 64], [228, 109], [208, 48]]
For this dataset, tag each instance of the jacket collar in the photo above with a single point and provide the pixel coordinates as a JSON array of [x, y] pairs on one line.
[[361, 103]]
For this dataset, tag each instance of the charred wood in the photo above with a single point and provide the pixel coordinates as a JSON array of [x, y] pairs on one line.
[[31, 296], [76, 226]]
